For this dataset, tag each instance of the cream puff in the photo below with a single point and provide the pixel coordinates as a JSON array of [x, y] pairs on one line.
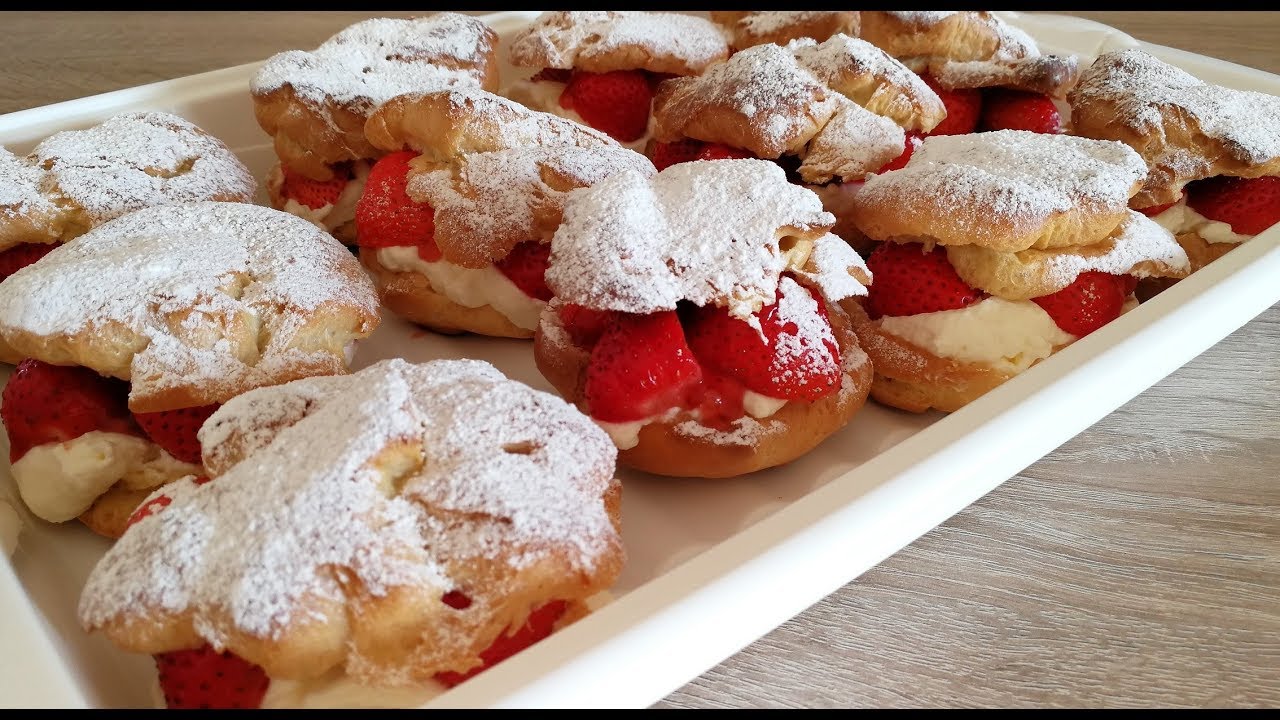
[[1213, 152], [695, 317], [990, 74], [751, 28], [364, 540], [143, 326], [455, 229], [600, 67], [996, 250], [315, 103]]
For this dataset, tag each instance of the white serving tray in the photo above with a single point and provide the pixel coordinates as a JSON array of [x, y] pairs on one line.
[[713, 564]]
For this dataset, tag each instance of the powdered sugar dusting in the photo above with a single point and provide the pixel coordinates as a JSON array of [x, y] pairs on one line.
[[137, 160], [1146, 90], [854, 143], [372, 61], [214, 293], [830, 264], [704, 231], [1021, 177], [769, 22], [745, 431], [808, 351], [20, 191], [558, 39], [841, 55], [317, 491]]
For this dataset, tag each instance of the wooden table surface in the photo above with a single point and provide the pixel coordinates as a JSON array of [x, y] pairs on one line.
[[1137, 565]]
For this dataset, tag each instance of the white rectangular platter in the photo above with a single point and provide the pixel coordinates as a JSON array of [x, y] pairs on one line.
[[712, 565]]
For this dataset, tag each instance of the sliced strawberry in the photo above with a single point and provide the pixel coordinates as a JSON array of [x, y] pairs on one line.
[[175, 430], [551, 75], [149, 508], [1154, 210], [539, 625], [583, 324], [615, 103], [720, 401], [797, 359], [1248, 205], [46, 403], [913, 140], [664, 155], [641, 366], [525, 266], [717, 151], [314, 193], [205, 678], [20, 256], [386, 216], [1093, 300], [906, 280], [964, 107], [1005, 109]]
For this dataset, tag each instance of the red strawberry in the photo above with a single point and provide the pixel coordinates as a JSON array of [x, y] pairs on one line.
[[314, 193], [1128, 283], [780, 365], [963, 109], [913, 140], [1093, 300], [583, 324], [551, 75], [615, 103], [175, 430], [721, 401], [385, 216], [205, 678], [20, 256], [1248, 205], [539, 625], [664, 155], [716, 151], [1154, 210], [640, 366], [1004, 109], [46, 403], [525, 266], [906, 280], [148, 508]]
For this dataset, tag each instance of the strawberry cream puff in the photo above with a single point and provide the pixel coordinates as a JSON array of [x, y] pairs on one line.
[[366, 540], [781, 27], [600, 67], [1213, 152], [999, 249], [990, 75], [831, 112], [455, 230], [139, 329], [315, 103], [695, 317]]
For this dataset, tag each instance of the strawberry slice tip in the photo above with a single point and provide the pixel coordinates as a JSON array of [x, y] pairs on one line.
[[910, 281], [206, 678], [175, 430]]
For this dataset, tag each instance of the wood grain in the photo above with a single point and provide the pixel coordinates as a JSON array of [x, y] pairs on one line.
[[1136, 566]]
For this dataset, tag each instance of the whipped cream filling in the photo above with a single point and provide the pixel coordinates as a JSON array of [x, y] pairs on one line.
[[1180, 219], [338, 690], [1008, 335], [58, 481], [340, 212], [544, 96], [626, 435], [468, 287]]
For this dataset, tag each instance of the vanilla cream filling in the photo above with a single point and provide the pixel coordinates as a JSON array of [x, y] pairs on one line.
[[1008, 335], [626, 435], [544, 96], [340, 212], [468, 287], [1180, 219], [59, 481]]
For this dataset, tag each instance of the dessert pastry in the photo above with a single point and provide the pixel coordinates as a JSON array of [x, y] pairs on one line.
[[1213, 152], [781, 27], [832, 112], [999, 249], [695, 317], [77, 179], [600, 67], [136, 331], [455, 229], [990, 75], [374, 537], [315, 103]]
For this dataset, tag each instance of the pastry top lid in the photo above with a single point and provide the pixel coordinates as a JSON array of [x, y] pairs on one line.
[[606, 40]]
